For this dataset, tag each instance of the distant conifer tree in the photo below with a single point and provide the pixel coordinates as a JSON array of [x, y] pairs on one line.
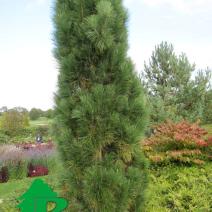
[[100, 107]]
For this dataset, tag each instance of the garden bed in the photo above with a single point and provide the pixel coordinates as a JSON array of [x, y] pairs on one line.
[[26, 160]]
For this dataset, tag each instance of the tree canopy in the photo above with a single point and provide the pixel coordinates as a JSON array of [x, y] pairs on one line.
[[169, 83]]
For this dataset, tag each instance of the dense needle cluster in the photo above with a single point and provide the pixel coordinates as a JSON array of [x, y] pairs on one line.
[[100, 107]]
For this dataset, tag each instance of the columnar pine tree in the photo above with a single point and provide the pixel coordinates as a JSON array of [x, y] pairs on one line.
[[100, 108]]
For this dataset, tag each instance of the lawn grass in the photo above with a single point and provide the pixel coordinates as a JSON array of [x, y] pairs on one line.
[[11, 191], [42, 121]]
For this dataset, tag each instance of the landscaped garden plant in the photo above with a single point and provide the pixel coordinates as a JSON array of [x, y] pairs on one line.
[[181, 142], [20, 161], [4, 174], [37, 170], [100, 108], [13, 121]]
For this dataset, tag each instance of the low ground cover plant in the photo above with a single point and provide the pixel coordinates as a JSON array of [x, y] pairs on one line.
[[180, 142], [179, 188]]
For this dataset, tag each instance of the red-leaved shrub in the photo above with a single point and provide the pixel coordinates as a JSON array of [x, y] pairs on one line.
[[37, 170], [4, 174], [178, 142]]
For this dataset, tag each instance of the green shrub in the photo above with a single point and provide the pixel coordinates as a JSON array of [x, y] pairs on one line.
[[33, 131], [4, 138], [43, 130], [179, 188], [28, 134]]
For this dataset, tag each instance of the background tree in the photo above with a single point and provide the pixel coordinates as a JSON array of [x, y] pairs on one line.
[[166, 73], [20, 109], [192, 101], [3, 109], [13, 121], [35, 113], [169, 84], [208, 107], [25, 115], [49, 113], [100, 108]]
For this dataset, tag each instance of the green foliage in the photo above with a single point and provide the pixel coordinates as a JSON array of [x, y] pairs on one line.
[[49, 114], [42, 121], [35, 113], [207, 114], [169, 85], [17, 169], [160, 111], [14, 121], [171, 188], [179, 188], [43, 130], [166, 71], [27, 134], [178, 142], [165, 77], [3, 138], [100, 108], [193, 102]]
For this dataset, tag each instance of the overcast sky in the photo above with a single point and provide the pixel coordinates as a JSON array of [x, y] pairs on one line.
[[28, 72]]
